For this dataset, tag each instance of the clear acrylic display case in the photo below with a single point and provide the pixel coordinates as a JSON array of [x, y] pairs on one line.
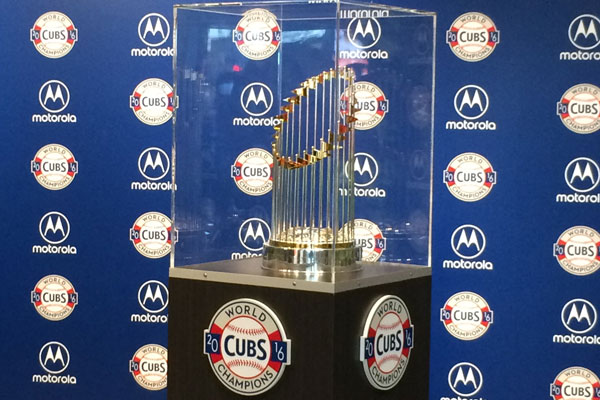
[[235, 64]]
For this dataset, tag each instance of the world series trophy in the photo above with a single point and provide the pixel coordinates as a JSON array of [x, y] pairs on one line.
[[312, 228], [302, 187]]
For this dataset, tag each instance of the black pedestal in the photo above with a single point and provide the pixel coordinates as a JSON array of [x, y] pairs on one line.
[[323, 320]]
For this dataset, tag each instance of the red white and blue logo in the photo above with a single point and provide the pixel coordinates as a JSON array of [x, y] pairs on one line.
[[54, 167], [473, 37], [153, 101], [386, 342], [149, 367], [575, 383], [251, 172], [153, 235], [54, 297], [247, 347], [579, 108], [466, 316], [257, 35], [469, 177], [577, 250], [369, 237], [53, 34]]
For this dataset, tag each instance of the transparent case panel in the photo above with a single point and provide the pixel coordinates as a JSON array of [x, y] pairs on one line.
[[229, 96]]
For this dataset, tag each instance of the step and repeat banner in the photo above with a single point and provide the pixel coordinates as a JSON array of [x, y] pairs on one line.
[[86, 123]]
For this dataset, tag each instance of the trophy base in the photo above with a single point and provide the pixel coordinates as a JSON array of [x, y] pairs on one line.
[[323, 318], [311, 260]]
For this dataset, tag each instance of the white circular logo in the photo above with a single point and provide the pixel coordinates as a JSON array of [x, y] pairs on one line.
[[468, 241], [471, 102], [153, 101], [365, 169], [54, 357], [575, 383], [152, 235], [584, 31], [54, 166], [370, 105], [465, 379], [247, 347], [149, 367], [54, 227], [257, 35], [256, 99], [579, 108], [473, 36], [469, 177], [54, 297], [368, 236], [577, 250], [579, 316], [154, 163], [364, 33], [154, 29], [386, 342], [254, 233], [251, 172], [153, 296], [53, 34], [582, 174], [466, 316], [54, 96]]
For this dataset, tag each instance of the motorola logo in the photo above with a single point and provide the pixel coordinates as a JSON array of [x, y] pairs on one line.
[[582, 174], [584, 32], [154, 163], [54, 357], [256, 99], [465, 379], [471, 102], [254, 233], [154, 29], [54, 228], [153, 297], [54, 96], [468, 241], [365, 169], [364, 33], [579, 316]]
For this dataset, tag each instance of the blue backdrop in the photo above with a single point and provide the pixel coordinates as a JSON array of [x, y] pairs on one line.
[[538, 301]]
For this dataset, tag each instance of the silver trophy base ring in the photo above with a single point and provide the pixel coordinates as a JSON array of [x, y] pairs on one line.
[[311, 260]]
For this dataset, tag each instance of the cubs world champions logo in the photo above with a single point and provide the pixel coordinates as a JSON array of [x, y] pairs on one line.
[[578, 250], [386, 342], [466, 316], [153, 101], [469, 177], [54, 297], [251, 172], [368, 236], [370, 105], [53, 34], [247, 347], [152, 235], [54, 167], [579, 108], [575, 383], [257, 35], [473, 37], [149, 367]]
